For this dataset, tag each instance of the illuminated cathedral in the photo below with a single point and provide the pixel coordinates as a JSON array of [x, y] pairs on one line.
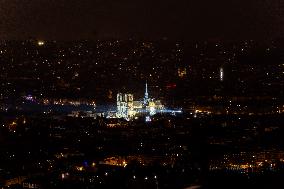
[[128, 108]]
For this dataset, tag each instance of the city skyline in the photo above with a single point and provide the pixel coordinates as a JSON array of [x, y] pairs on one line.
[[141, 94]]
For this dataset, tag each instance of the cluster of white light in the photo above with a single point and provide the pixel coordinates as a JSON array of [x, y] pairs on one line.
[[221, 74], [40, 43]]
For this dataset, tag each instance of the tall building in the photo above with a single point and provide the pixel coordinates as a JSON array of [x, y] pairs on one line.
[[124, 105], [221, 74]]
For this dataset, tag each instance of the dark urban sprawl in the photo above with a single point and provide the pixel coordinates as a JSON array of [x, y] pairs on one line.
[[136, 113]]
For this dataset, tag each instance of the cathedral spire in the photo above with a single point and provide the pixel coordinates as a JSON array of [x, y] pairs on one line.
[[146, 96]]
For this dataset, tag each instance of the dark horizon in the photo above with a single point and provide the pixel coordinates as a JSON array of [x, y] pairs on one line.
[[183, 20]]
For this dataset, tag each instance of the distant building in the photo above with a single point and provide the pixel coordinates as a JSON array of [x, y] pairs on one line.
[[124, 106], [127, 108], [182, 72], [221, 74]]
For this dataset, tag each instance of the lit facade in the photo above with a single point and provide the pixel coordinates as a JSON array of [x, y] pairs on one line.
[[127, 108], [124, 106], [182, 72]]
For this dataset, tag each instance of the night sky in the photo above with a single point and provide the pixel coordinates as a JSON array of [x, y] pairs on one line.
[[153, 19]]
